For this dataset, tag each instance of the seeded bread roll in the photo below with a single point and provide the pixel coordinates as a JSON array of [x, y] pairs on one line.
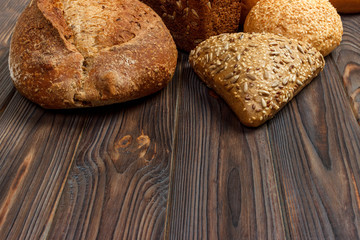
[[192, 21], [312, 21], [256, 74], [346, 6], [83, 53]]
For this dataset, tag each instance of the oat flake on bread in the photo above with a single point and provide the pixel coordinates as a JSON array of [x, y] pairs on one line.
[[314, 21], [256, 74]]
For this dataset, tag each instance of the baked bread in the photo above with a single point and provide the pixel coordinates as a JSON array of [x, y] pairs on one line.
[[84, 53], [346, 6], [256, 74], [192, 21], [312, 21]]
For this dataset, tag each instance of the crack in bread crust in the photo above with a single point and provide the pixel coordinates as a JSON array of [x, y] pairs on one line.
[[87, 19], [70, 54]]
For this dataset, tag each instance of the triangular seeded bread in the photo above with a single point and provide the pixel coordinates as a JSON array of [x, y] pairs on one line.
[[256, 74]]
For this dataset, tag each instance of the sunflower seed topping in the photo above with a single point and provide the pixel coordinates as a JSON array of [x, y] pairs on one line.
[[230, 75], [263, 80], [251, 77], [275, 84], [285, 81], [263, 92], [246, 87], [263, 103]]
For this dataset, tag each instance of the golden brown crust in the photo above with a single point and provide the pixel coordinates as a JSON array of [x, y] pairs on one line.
[[312, 21], [256, 74], [191, 22], [346, 6], [130, 59]]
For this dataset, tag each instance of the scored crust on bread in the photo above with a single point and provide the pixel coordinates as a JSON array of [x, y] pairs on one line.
[[256, 74], [193, 21], [84, 53], [314, 21]]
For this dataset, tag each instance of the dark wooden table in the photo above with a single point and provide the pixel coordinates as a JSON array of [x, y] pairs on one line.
[[179, 165]]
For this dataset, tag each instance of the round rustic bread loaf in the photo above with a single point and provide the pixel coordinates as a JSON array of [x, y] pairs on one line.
[[313, 21], [346, 6], [84, 53], [193, 21]]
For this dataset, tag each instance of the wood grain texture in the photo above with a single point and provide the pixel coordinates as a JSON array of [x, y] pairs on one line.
[[9, 12], [118, 185], [7, 88], [224, 184], [97, 173], [34, 158], [347, 58], [295, 177], [317, 161], [179, 165]]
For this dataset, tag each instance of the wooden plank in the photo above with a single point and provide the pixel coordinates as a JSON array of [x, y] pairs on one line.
[[127, 165], [118, 185], [316, 152], [6, 86], [118, 182], [347, 58], [224, 184], [104, 172], [9, 12], [295, 177], [36, 151]]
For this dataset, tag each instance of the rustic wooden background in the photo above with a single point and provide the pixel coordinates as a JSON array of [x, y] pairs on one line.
[[179, 165]]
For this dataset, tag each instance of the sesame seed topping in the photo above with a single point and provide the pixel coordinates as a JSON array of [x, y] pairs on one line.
[[310, 60], [274, 53]]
